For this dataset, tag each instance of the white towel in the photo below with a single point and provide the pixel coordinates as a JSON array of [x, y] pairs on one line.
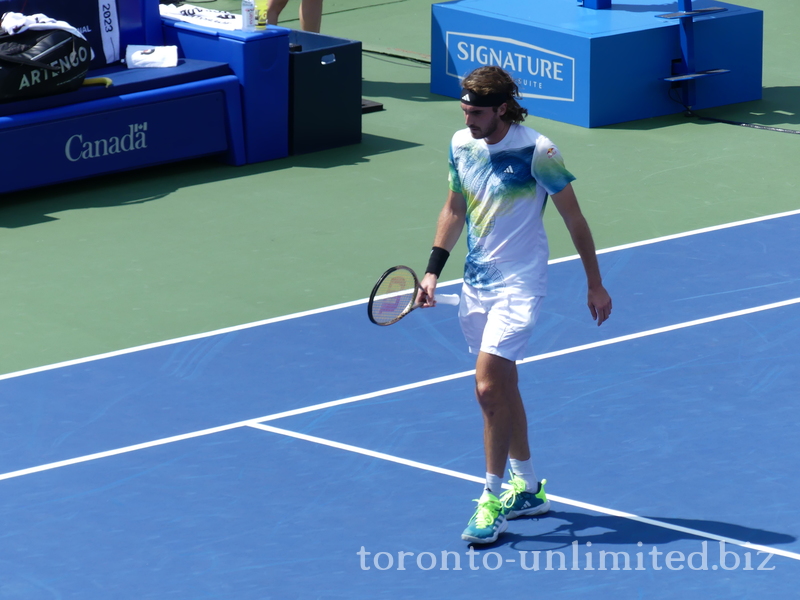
[[197, 15], [17, 23], [138, 57]]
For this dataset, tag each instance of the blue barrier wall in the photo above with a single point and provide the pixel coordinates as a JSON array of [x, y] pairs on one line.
[[118, 133], [597, 67], [260, 60]]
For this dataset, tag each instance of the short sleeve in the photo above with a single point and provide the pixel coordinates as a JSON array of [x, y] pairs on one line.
[[453, 177], [548, 167]]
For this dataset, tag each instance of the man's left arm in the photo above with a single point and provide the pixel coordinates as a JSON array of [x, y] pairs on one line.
[[599, 301]]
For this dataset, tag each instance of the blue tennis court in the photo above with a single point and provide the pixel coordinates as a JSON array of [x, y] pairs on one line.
[[320, 456]]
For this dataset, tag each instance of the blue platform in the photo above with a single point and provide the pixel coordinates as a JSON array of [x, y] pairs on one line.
[[260, 60], [145, 117], [598, 67]]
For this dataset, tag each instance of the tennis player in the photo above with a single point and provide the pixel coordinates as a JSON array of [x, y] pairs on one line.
[[501, 174]]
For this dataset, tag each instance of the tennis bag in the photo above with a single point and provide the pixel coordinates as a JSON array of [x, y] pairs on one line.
[[97, 20], [40, 62]]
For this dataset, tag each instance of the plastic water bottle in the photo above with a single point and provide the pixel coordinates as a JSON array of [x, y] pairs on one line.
[[248, 15]]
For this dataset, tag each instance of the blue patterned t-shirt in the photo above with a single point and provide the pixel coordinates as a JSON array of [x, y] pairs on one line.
[[506, 186]]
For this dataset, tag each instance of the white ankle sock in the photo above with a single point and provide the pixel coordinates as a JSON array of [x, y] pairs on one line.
[[494, 484], [524, 470]]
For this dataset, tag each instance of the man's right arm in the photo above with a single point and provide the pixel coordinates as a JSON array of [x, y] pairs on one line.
[[448, 229]]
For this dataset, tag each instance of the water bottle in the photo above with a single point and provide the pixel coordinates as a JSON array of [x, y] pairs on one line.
[[248, 15]]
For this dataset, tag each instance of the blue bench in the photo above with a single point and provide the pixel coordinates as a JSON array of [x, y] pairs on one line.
[[148, 116]]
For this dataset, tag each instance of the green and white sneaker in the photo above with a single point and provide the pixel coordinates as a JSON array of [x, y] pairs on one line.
[[518, 502], [488, 522]]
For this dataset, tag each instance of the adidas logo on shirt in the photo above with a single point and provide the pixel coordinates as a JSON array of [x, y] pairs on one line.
[[509, 170]]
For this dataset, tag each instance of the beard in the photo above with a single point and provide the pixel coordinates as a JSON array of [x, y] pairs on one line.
[[478, 133]]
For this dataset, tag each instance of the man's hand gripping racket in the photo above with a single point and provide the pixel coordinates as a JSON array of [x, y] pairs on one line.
[[395, 295]]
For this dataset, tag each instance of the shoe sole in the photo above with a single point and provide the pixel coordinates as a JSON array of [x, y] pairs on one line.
[[477, 540], [530, 512]]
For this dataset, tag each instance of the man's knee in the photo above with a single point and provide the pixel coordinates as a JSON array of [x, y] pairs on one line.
[[493, 394], [488, 394], [495, 382]]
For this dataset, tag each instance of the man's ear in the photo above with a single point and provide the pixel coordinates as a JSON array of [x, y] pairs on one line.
[[501, 110]]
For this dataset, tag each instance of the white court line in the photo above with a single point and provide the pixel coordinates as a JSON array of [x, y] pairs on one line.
[[188, 338], [198, 336], [530, 359], [677, 236], [666, 329], [384, 392], [118, 451], [559, 499]]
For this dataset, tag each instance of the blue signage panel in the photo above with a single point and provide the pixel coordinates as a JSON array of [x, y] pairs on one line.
[[114, 140], [549, 66], [539, 72], [594, 67]]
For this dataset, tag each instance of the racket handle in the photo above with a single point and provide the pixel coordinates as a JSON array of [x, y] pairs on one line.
[[451, 299]]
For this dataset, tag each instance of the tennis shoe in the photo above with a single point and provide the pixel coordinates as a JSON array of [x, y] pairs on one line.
[[517, 501], [488, 522]]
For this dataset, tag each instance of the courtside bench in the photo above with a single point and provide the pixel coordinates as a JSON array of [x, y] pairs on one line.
[[148, 117]]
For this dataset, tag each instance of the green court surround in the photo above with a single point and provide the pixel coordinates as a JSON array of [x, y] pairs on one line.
[[124, 260]]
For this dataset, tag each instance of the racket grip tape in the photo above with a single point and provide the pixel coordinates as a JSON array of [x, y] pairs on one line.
[[451, 299]]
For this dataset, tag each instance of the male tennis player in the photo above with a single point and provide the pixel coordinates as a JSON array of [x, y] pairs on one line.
[[501, 173]]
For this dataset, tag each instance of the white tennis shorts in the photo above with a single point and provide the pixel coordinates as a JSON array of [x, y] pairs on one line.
[[498, 322]]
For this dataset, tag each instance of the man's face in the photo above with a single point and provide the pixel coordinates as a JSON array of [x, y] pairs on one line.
[[482, 121]]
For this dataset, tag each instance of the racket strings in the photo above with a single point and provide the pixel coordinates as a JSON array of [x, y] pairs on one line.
[[394, 296]]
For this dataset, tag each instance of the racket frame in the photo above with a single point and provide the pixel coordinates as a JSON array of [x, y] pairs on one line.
[[409, 307]]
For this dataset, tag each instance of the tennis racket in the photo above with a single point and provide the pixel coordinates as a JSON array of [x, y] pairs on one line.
[[395, 295]]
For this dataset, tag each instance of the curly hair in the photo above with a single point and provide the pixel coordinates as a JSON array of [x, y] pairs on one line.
[[493, 80]]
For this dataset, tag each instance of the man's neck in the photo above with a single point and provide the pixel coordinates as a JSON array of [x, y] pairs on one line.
[[499, 134]]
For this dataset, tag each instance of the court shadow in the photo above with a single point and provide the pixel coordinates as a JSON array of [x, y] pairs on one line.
[[569, 527], [41, 205], [371, 145], [778, 106], [415, 92]]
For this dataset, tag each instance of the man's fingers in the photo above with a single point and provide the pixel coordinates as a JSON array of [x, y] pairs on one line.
[[600, 314], [425, 299], [603, 315]]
